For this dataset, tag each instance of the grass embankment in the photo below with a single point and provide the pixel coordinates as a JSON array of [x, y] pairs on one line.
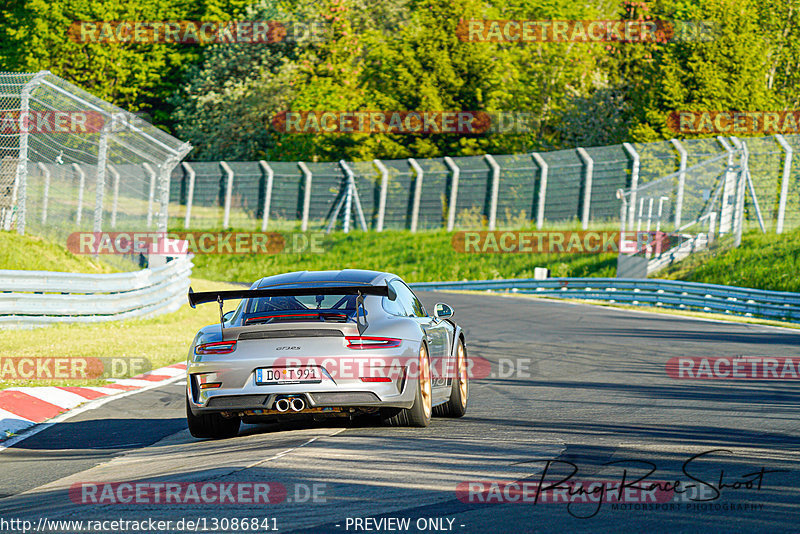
[[763, 261], [33, 253], [418, 257]]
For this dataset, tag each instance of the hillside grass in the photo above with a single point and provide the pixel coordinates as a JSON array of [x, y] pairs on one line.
[[33, 253], [416, 257], [763, 261]]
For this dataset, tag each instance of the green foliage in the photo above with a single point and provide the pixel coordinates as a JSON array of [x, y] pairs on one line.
[[34, 35], [729, 69]]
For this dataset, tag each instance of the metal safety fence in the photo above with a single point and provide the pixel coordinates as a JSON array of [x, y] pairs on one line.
[[574, 186], [38, 298], [70, 161]]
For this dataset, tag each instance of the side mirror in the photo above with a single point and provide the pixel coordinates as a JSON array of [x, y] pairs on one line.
[[227, 316], [442, 311]]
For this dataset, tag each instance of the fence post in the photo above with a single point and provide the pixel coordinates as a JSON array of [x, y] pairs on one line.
[[587, 184], [348, 205], [226, 215], [634, 181], [115, 201], [681, 180], [787, 169], [382, 198], [189, 171], [306, 195], [543, 168], [270, 174], [622, 213], [46, 173], [738, 214], [21, 179], [451, 211], [81, 184], [495, 190], [102, 159], [151, 195], [353, 196], [742, 145], [417, 193], [727, 214], [166, 175]]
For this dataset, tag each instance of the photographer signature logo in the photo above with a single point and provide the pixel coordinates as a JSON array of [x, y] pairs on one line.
[[573, 491]]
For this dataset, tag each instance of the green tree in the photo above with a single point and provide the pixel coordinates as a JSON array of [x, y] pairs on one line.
[[136, 76]]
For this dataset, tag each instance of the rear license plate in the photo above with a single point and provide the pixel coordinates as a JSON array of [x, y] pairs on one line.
[[288, 375]]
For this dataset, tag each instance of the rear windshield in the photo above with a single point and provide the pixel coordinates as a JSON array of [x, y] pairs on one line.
[[338, 303]]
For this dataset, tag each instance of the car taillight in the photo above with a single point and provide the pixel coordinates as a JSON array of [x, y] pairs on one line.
[[217, 347], [375, 379], [360, 342]]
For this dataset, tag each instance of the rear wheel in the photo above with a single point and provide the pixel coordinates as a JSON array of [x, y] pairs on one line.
[[456, 406], [420, 413], [211, 425]]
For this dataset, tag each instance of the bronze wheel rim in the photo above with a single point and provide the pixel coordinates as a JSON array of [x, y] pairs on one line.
[[463, 388], [425, 382]]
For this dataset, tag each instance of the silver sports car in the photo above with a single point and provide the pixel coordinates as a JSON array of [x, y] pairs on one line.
[[324, 344]]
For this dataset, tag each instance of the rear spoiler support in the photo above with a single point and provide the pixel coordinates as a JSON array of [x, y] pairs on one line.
[[236, 294]]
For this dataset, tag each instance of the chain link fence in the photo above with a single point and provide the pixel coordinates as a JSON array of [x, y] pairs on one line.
[[70, 161], [564, 187], [73, 162]]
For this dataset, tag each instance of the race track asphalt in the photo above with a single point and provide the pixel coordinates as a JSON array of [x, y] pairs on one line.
[[583, 387]]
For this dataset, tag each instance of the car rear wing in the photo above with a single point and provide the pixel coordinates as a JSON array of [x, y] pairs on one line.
[[235, 294]]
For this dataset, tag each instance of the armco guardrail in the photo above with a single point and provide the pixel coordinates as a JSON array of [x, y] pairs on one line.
[[662, 293], [38, 298]]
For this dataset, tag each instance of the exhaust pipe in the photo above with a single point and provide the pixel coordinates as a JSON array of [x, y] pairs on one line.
[[298, 404], [282, 405]]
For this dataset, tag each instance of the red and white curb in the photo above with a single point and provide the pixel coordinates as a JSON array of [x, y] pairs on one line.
[[21, 408]]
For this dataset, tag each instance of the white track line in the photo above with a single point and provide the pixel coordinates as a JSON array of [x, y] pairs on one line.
[[287, 451]]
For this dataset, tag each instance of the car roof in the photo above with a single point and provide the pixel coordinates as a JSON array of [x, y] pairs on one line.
[[305, 278]]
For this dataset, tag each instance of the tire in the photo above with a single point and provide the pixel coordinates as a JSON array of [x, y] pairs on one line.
[[456, 406], [211, 425], [419, 414]]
